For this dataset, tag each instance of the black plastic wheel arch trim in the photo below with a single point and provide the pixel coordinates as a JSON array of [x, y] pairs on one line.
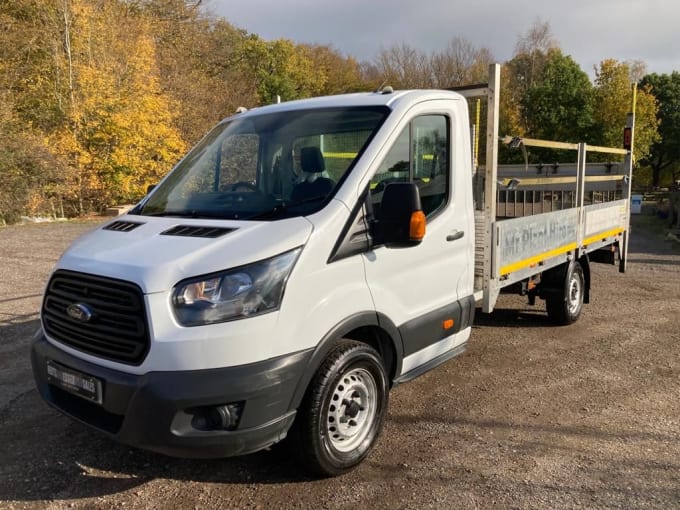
[[339, 331]]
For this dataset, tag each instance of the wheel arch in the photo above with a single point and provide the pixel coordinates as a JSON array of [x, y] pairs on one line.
[[372, 328], [556, 290], [554, 278]]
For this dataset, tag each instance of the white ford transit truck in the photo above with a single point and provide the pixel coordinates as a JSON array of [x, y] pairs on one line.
[[304, 258]]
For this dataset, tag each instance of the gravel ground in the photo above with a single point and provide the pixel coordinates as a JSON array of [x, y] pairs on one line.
[[531, 416]]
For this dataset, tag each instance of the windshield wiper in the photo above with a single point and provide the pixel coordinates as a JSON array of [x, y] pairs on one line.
[[189, 213], [183, 213], [283, 207]]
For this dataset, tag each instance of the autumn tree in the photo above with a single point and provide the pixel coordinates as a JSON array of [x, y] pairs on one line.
[[83, 75], [119, 135], [342, 74], [32, 177], [30, 38], [665, 151], [30, 174], [201, 61], [613, 101], [100, 97]]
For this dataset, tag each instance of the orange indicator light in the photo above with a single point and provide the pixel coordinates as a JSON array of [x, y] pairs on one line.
[[417, 226]]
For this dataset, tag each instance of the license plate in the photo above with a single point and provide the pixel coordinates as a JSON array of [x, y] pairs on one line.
[[83, 385]]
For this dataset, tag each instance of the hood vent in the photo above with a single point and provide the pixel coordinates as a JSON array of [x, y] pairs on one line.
[[122, 226], [193, 231]]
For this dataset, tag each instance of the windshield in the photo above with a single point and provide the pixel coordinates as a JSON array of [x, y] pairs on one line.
[[267, 166]]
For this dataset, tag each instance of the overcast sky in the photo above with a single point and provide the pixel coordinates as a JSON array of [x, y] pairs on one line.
[[588, 30]]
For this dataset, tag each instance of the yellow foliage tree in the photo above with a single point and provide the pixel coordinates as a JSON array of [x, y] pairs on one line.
[[612, 102], [83, 76], [119, 134], [342, 74]]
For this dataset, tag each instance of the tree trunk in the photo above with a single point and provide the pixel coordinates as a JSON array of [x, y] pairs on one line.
[[656, 175]]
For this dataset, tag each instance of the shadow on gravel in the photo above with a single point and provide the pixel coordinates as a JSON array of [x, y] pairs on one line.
[[13, 325], [537, 431], [512, 318], [655, 262], [20, 298], [648, 235], [47, 456]]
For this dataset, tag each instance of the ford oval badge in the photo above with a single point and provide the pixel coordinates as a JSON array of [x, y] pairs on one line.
[[79, 312]]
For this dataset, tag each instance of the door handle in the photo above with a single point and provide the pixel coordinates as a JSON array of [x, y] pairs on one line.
[[455, 235]]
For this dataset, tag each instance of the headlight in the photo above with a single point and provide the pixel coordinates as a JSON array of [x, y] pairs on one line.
[[235, 294]]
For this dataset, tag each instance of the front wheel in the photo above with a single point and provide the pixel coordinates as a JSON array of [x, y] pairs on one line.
[[564, 307], [343, 411]]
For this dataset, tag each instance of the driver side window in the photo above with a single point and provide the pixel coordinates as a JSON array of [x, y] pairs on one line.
[[420, 155]]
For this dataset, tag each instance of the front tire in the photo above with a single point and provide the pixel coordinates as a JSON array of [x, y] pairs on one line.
[[564, 307], [343, 410]]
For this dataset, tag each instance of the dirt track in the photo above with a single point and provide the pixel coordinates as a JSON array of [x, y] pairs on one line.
[[531, 416]]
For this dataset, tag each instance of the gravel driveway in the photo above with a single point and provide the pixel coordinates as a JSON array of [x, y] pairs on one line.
[[531, 416]]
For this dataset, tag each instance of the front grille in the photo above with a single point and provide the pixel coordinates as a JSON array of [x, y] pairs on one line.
[[116, 329]]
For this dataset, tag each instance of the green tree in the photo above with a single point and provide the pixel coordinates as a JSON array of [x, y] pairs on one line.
[[282, 70], [665, 152], [522, 73], [558, 104]]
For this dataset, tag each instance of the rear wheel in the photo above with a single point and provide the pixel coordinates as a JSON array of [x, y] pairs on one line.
[[564, 306], [343, 411]]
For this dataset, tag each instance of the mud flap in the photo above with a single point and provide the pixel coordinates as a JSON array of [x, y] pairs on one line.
[[623, 252]]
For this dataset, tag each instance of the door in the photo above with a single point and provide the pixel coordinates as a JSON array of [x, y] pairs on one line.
[[426, 290]]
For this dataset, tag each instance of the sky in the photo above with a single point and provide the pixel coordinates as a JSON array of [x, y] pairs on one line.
[[588, 30]]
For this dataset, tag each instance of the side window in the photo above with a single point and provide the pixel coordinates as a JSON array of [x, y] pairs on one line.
[[396, 166], [430, 153], [420, 155]]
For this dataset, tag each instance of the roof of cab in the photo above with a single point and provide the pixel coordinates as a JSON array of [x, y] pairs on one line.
[[390, 99]]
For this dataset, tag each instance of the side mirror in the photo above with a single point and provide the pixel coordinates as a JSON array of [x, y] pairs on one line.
[[402, 220]]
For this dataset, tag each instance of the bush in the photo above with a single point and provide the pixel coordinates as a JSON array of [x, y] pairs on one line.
[[31, 179]]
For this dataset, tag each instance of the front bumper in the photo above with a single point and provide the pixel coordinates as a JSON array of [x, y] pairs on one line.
[[148, 411]]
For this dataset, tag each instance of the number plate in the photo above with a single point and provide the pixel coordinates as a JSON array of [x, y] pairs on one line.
[[83, 385]]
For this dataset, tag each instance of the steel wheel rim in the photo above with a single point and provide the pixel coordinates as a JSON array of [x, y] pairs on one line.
[[352, 409], [574, 294]]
